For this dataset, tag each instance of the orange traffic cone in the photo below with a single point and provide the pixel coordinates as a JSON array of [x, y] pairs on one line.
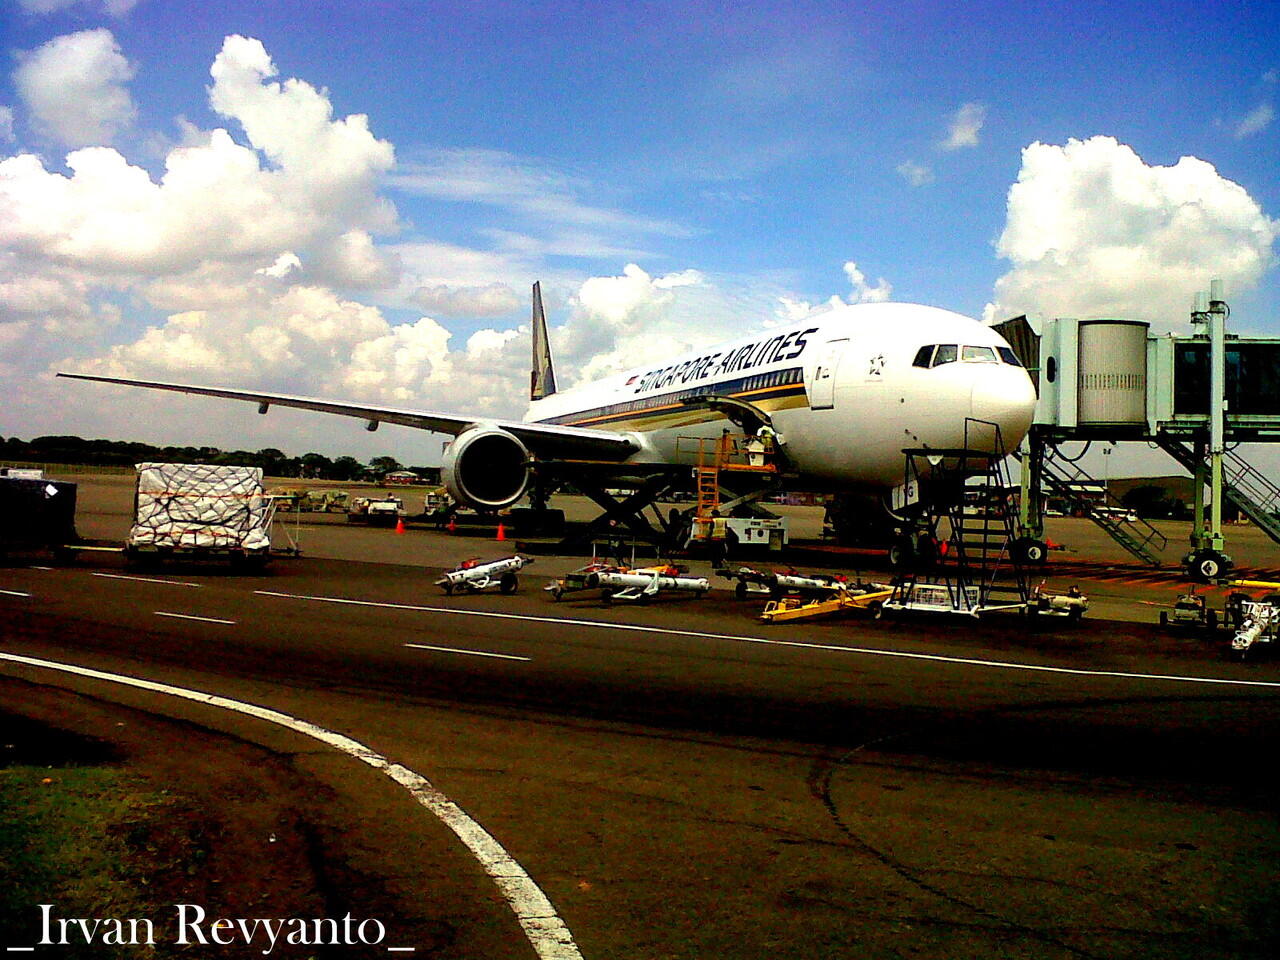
[[400, 525], [502, 533], [452, 526]]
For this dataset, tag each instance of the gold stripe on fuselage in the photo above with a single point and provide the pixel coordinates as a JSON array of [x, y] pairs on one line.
[[678, 414]]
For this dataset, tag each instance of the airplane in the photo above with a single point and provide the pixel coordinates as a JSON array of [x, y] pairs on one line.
[[841, 395]]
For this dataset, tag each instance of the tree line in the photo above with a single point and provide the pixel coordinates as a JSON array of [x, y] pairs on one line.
[[275, 463]]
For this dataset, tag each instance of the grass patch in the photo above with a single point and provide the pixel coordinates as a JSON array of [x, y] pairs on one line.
[[96, 842]]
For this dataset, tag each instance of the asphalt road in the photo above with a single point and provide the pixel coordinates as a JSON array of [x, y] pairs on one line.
[[682, 781]]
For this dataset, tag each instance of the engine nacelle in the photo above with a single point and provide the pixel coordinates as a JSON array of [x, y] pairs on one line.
[[486, 468]]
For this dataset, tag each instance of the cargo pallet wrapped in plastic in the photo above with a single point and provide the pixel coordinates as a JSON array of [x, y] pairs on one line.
[[196, 510]]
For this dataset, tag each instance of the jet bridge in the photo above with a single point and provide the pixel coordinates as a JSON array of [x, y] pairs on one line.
[[1195, 397]]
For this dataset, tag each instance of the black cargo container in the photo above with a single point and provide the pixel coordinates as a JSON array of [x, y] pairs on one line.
[[36, 513]]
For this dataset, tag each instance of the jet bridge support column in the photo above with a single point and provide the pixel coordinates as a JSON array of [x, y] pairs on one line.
[[1217, 406], [1207, 561], [1031, 494], [1199, 477]]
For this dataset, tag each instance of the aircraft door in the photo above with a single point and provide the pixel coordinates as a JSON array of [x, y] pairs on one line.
[[822, 394]]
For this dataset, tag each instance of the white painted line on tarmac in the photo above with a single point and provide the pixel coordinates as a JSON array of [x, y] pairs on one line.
[[474, 653], [833, 647], [187, 616], [546, 932], [121, 576], [14, 593], [39, 568]]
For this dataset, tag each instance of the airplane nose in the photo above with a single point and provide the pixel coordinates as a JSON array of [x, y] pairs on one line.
[[1006, 397]]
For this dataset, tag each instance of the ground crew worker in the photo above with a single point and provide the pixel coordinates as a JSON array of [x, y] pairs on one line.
[[719, 536]]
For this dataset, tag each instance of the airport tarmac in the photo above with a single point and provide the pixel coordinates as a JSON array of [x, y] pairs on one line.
[[678, 779]]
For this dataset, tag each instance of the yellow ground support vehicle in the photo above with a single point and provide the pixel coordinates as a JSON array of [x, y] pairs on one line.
[[869, 599]]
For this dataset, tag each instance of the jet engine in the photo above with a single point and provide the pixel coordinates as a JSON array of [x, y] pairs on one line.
[[486, 467]]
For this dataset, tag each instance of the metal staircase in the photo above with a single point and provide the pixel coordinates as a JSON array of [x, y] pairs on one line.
[[1256, 496], [974, 524], [1069, 481]]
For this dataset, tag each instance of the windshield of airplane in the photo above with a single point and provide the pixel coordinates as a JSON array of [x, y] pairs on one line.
[[936, 354]]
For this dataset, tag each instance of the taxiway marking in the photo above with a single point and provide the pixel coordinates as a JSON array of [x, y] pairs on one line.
[[474, 653], [121, 576], [542, 926], [14, 593], [187, 616], [835, 648]]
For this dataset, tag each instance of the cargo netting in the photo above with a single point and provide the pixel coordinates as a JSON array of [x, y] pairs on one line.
[[197, 506]]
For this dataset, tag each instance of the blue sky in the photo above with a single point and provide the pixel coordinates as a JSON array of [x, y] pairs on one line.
[[739, 156]]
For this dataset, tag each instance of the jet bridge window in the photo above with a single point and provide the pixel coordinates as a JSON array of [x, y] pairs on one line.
[[923, 356], [978, 355]]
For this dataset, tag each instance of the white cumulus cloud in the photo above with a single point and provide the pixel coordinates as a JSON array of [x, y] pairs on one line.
[[1092, 230], [965, 125], [863, 292], [791, 310], [74, 88], [311, 189]]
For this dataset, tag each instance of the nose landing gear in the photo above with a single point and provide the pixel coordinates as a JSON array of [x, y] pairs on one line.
[[1207, 565]]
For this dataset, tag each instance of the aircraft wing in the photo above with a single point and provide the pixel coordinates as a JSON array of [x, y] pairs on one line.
[[543, 439]]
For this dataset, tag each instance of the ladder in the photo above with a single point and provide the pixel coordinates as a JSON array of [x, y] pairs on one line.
[[974, 526], [1069, 481], [708, 491], [1256, 496], [725, 454]]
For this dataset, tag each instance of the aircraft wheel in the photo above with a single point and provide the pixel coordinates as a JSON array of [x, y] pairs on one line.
[[508, 583], [1031, 551], [1207, 566], [901, 553]]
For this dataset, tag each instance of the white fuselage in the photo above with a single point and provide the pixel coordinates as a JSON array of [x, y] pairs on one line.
[[846, 391]]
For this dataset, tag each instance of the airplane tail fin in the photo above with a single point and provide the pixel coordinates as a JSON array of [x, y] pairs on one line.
[[542, 380]]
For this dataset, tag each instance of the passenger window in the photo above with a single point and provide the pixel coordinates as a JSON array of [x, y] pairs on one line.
[[1008, 356], [978, 355], [946, 354], [923, 356]]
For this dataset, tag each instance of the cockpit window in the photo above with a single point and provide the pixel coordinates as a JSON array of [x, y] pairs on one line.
[[1008, 356], [946, 353], [978, 355], [923, 355]]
